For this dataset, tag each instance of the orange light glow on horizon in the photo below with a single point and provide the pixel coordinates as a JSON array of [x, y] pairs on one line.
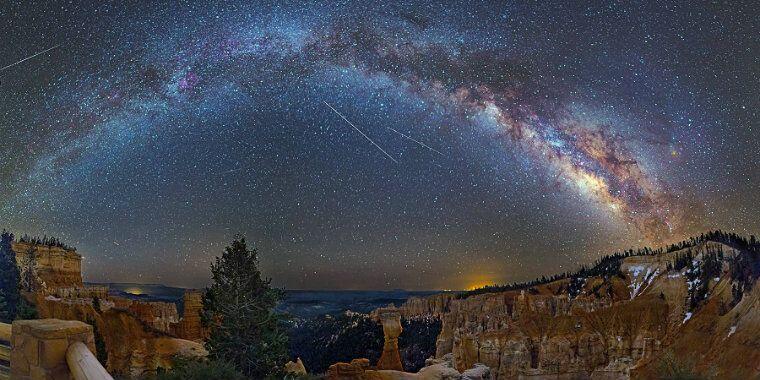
[[479, 285], [134, 291]]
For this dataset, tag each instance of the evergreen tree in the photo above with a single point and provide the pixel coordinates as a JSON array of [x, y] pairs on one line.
[[101, 352], [26, 310], [239, 305], [28, 276], [9, 278]]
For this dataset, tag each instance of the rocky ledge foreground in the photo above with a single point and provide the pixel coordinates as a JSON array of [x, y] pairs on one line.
[[137, 337], [696, 307]]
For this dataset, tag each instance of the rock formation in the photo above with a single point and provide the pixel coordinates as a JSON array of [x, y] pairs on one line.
[[390, 318], [189, 327], [134, 347], [139, 336], [50, 267], [296, 369], [435, 369], [101, 292], [158, 315], [348, 371], [613, 327]]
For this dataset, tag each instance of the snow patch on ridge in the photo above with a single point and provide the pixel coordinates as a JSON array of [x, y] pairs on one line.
[[639, 284]]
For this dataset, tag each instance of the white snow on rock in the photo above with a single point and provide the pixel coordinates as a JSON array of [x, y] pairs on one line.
[[688, 316], [639, 284], [636, 269], [693, 283], [730, 332]]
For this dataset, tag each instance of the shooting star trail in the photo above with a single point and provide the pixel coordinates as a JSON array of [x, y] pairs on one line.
[[231, 171], [28, 58], [360, 131], [420, 143]]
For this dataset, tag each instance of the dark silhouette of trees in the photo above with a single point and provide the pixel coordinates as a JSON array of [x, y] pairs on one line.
[[745, 267], [9, 279], [45, 240], [28, 271]]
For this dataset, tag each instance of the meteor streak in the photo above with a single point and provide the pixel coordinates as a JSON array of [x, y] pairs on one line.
[[28, 58], [360, 131], [418, 142]]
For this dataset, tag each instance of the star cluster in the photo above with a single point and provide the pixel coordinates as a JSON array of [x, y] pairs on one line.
[[382, 145]]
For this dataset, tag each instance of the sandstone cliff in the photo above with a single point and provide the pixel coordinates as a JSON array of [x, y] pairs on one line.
[[53, 266], [618, 326], [189, 326], [139, 336], [134, 347]]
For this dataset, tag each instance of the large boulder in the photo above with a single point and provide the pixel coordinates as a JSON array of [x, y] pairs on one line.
[[295, 368]]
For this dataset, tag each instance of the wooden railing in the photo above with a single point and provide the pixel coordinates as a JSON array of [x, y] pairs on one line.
[[5, 332], [82, 363], [5, 350]]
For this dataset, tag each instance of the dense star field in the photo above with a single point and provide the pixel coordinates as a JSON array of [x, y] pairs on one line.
[[371, 145]]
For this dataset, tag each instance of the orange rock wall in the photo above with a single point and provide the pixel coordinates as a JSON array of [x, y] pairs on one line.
[[134, 348], [190, 327], [615, 328], [56, 267]]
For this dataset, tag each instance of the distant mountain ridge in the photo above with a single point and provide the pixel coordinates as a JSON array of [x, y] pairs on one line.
[[301, 304]]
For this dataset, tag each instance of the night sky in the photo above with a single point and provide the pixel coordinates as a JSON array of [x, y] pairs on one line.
[[379, 144]]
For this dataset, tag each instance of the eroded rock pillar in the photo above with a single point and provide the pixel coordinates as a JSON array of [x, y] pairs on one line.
[[391, 321], [38, 347]]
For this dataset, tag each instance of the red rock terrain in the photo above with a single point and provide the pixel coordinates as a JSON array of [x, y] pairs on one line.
[[139, 336], [613, 327]]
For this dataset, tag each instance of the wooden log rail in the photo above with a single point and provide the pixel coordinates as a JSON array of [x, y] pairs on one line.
[[84, 365], [5, 350], [5, 343], [5, 332]]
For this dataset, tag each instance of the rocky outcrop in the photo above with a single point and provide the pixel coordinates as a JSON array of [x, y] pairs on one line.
[[158, 315], [611, 327], [48, 267], [435, 305], [391, 321], [295, 369], [139, 336], [100, 292], [435, 369], [190, 327], [134, 347], [521, 334], [348, 371]]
